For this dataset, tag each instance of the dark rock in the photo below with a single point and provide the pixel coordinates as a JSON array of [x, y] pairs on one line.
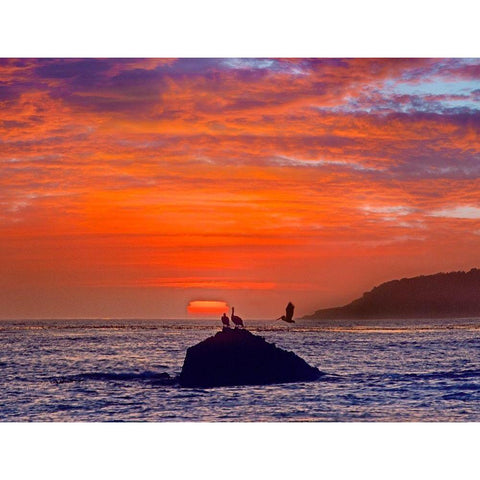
[[238, 357]]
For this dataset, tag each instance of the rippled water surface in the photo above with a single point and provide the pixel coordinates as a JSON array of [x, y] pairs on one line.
[[105, 370]]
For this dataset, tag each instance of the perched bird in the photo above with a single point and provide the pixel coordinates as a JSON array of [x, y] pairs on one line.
[[225, 320], [236, 320], [289, 314]]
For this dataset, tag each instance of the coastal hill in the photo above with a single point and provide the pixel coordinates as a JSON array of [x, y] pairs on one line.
[[454, 295]]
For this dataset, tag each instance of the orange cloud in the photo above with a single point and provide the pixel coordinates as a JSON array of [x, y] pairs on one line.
[[253, 177]]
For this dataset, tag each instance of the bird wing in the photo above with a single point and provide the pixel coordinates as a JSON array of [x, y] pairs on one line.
[[289, 309]]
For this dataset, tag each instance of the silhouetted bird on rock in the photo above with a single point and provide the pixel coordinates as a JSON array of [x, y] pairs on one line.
[[236, 320], [289, 314], [225, 321]]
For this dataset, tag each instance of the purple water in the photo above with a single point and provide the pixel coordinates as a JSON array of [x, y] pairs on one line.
[[111, 370]]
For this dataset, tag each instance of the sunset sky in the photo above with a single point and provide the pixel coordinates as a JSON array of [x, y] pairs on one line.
[[130, 188]]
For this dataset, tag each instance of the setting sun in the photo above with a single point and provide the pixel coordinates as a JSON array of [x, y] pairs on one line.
[[207, 307]]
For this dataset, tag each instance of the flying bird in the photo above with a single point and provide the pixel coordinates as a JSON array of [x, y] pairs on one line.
[[289, 314], [236, 320]]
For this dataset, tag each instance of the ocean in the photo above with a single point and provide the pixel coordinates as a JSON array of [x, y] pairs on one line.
[[113, 371]]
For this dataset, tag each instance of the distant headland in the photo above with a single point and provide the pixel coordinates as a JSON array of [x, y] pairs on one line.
[[443, 295]]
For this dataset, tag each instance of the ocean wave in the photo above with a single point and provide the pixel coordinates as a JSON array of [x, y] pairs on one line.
[[157, 378], [387, 378], [443, 374], [459, 396]]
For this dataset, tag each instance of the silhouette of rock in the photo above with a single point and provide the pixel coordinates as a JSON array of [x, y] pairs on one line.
[[454, 295], [238, 357]]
